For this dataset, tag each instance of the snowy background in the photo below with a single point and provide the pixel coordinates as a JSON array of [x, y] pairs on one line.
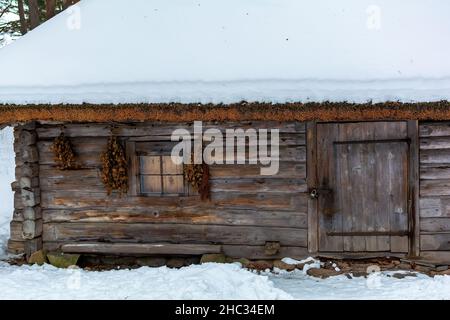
[[6, 177]]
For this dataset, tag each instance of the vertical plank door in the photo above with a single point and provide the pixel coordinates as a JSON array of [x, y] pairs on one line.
[[362, 172]]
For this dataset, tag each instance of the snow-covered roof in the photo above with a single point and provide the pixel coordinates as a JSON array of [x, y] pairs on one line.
[[114, 51]]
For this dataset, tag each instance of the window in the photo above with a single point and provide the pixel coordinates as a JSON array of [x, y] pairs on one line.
[[159, 175]]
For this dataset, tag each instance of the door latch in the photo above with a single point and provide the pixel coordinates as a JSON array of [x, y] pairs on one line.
[[315, 193]]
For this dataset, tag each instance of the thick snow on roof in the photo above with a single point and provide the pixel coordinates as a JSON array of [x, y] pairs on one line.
[[111, 51]]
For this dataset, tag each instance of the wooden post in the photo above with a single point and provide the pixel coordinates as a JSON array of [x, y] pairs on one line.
[[311, 176], [26, 227], [413, 185]]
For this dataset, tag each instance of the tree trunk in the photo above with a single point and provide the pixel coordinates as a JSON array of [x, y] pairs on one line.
[[23, 20], [50, 7], [66, 4], [33, 13]]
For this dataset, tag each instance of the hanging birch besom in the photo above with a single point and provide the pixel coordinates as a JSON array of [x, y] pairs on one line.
[[114, 169], [63, 153], [198, 176]]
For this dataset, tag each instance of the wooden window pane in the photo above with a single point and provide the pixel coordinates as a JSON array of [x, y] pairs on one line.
[[169, 167], [173, 184], [151, 184], [150, 165]]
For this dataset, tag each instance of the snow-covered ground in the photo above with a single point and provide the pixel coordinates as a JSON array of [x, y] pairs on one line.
[[377, 286], [207, 281]]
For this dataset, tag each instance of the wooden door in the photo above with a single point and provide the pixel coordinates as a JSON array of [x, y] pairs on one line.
[[362, 192]]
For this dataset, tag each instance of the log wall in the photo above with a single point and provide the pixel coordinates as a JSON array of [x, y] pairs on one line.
[[26, 226], [246, 210], [435, 190]]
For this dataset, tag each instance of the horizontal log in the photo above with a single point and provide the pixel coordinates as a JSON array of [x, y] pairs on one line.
[[172, 233], [436, 256], [435, 207], [259, 185], [233, 251], [434, 143], [436, 156], [435, 224], [435, 242], [86, 158], [435, 187], [263, 201], [140, 248], [158, 129], [434, 173], [16, 247], [189, 215], [436, 129], [289, 169], [258, 252], [247, 185]]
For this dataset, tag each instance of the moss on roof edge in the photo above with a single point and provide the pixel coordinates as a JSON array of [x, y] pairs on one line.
[[177, 112]]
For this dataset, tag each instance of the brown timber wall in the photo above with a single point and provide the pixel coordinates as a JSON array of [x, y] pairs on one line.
[[435, 190], [246, 209]]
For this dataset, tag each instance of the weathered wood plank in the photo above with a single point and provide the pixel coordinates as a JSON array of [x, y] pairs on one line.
[[233, 251], [435, 207], [189, 215], [276, 201], [436, 256], [141, 248], [435, 224], [434, 173], [435, 242], [16, 231], [287, 169], [93, 159], [173, 233], [439, 187], [434, 129], [258, 252], [313, 218], [435, 156], [16, 247], [158, 129], [435, 143]]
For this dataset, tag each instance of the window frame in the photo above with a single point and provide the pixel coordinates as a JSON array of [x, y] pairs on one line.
[[135, 176]]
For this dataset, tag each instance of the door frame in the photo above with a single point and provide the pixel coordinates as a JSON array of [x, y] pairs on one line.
[[413, 186]]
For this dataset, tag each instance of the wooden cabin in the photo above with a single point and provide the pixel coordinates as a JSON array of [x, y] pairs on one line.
[[364, 134]]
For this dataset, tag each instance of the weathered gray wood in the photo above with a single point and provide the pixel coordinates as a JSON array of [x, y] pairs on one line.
[[15, 231], [434, 143], [158, 129], [414, 188], [173, 233], [435, 207], [312, 182], [438, 156], [16, 247], [276, 201], [257, 252], [435, 224], [368, 183], [31, 229], [437, 256], [140, 248], [434, 173], [187, 215], [434, 129], [435, 187], [437, 241]]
